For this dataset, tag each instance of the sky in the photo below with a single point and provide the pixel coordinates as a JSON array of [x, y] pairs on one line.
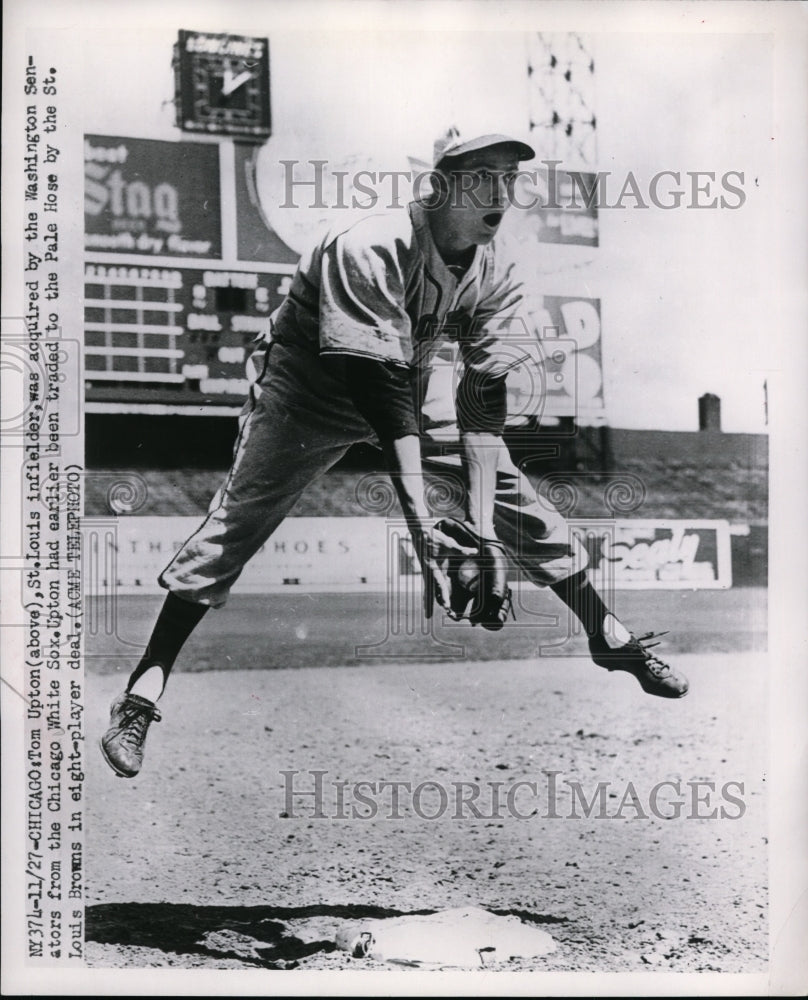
[[686, 294]]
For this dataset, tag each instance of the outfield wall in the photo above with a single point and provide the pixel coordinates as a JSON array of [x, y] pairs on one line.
[[126, 555]]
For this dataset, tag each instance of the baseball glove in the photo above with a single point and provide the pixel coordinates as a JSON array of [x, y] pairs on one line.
[[479, 583]]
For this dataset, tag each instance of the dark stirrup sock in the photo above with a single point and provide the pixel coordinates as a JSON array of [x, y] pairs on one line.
[[176, 621], [583, 600]]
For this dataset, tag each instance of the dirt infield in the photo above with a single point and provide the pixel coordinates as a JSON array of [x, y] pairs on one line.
[[209, 859]]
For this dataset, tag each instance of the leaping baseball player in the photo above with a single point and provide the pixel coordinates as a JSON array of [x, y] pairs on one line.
[[347, 360]]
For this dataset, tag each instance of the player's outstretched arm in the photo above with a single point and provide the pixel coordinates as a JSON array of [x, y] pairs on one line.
[[403, 457], [382, 393], [481, 409], [480, 455]]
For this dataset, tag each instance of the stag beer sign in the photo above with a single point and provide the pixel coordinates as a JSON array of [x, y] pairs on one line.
[[145, 196]]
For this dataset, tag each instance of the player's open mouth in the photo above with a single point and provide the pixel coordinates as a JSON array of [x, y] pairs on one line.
[[493, 219]]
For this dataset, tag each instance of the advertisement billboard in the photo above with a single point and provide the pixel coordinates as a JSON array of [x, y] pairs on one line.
[[145, 196]]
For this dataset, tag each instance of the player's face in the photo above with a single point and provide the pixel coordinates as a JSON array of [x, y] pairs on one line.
[[480, 192]]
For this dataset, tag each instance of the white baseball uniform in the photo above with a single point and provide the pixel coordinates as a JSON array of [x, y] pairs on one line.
[[378, 290]]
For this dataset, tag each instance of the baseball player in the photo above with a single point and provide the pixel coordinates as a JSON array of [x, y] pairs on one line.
[[347, 360]]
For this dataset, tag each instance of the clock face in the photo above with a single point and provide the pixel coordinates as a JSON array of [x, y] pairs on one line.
[[223, 84]]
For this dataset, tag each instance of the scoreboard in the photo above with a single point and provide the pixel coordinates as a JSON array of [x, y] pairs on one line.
[[181, 274], [173, 334]]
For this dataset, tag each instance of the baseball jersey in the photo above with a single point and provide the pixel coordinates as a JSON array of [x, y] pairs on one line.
[[381, 290]]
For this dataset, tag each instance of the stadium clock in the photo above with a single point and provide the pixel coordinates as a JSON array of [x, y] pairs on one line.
[[222, 84]]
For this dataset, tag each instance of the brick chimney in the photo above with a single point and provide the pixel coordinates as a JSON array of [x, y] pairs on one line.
[[709, 412]]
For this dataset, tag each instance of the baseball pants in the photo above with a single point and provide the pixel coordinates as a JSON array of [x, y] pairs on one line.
[[296, 424]]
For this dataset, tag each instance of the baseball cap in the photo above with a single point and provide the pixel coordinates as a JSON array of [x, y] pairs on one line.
[[453, 143]]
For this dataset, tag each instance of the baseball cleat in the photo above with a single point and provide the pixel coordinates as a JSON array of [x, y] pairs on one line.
[[129, 721], [655, 676]]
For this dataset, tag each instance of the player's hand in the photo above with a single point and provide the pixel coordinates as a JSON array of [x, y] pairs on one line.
[[478, 583], [432, 546]]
